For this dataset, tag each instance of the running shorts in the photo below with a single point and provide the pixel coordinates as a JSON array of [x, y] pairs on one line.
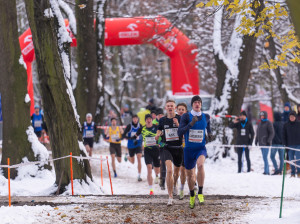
[[151, 156], [134, 151], [191, 155], [173, 154], [88, 141], [115, 149]]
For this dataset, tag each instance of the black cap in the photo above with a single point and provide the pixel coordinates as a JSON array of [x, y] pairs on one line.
[[264, 113], [292, 113], [147, 116], [159, 111], [243, 113], [196, 98]]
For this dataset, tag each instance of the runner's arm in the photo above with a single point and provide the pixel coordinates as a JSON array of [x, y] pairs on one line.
[[127, 129], [184, 124], [208, 123]]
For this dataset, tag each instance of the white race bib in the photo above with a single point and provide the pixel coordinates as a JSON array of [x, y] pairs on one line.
[[171, 134], [196, 136], [114, 137], [243, 132], [38, 124], [89, 133], [132, 134], [150, 141]]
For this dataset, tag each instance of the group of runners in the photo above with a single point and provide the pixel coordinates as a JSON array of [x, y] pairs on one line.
[[173, 145]]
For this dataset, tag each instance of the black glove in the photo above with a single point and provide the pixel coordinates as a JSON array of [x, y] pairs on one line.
[[210, 137], [135, 142], [194, 120]]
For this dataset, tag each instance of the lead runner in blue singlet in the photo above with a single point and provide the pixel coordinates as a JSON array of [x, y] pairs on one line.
[[193, 125]]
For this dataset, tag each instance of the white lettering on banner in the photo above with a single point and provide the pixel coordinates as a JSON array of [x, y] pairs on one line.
[[27, 49], [129, 34], [196, 136], [132, 26], [106, 35], [89, 133], [243, 131], [150, 141], [171, 134]]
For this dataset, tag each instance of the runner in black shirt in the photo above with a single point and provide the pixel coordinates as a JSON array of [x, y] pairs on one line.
[[172, 152]]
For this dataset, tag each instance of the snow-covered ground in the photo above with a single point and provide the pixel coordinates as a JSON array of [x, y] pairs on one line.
[[221, 179]]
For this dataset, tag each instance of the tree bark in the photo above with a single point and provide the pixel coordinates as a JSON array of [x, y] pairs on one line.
[[13, 82], [86, 91], [100, 38], [294, 6], [59, 112]]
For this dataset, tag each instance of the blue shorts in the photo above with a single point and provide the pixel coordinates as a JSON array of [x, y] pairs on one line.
[[191, 155]]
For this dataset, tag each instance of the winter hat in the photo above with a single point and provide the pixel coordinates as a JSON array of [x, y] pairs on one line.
[[292, 113], [264, 113], [243, 113], [147, 116], [196, 98], [287, 104], [151, 101], [159, 111]]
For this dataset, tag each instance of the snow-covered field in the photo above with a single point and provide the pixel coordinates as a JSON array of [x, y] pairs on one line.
[[221, 179]]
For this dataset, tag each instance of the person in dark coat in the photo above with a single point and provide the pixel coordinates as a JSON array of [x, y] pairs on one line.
[[286, 112], [298, 109], [291, 138], [245, 137], [277, 142], [264, 137]]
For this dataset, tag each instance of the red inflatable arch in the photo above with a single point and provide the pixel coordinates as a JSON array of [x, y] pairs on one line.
[[140, 30]]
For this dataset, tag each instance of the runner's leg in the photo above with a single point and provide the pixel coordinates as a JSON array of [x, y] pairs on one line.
[[201, 172], [170, 180]]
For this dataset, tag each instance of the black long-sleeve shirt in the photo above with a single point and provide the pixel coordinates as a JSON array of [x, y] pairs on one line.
[[245, 134]]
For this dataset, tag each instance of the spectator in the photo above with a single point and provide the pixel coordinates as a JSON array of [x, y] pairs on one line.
[[287, 110], [151, 105], [298, 109], [291, 138], [245, 137], [126, 115], [277, 142], [37, 121], [264, 136]]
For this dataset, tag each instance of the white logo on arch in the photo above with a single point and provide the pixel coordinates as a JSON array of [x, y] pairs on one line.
[[186, 87], [132, 26]]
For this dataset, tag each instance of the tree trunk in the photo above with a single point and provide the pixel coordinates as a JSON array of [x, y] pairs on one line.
[[294, 6], [59, 112], [86, 91], [100, 37], [279, 80], [13, 82]]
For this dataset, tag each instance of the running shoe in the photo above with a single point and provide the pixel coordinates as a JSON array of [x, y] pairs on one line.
[[125, 157], [151, 192], [201, 198], [192, 202], [181, 195], [170, 202], [175, 191], [139, 179], [156, 180]]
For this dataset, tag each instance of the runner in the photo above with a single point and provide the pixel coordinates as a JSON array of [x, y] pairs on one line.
[[114, 134], [159, 115], [89, 131], [151, 151], [172, 151], [192, 126], [182, 109], [134, 144], [37, 120]]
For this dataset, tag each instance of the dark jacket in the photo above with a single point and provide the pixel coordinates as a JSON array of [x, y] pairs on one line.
[[264, 132], [244, 137], [285, 114], [278, 127], [291, 133]]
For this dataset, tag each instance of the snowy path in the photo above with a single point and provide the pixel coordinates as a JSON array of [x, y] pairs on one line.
[[229, 197]]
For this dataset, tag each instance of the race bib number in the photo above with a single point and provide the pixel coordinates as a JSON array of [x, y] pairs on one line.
[[171, 134], [150, 141], [196, 136], [89, 133], [114, 137], [132, 134], [243, 132], [38, 124]]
